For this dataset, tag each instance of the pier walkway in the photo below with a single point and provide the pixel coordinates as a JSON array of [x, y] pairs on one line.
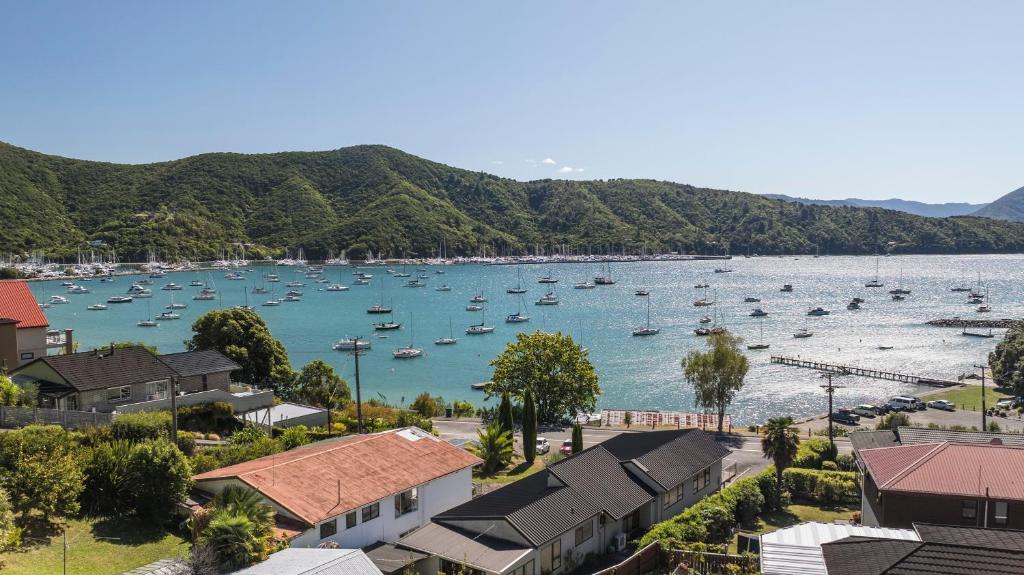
[[861, 371]]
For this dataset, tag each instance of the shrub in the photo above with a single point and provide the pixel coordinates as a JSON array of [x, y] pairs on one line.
[[428, 406], [813, 452], [841, 486], [297, 436], [830, 490], [186, 442], [41, 470], [218, 417], [749, 500], [829, 466], [160, 477], [768, 485], [893, 420], [108, 479], [135, 427], [846, 462], [462, 408], [10, 534]]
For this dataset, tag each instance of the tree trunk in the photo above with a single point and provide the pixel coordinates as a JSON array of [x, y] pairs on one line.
[[721, 418]]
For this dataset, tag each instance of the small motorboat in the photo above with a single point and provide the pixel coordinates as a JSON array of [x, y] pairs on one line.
[[705, 319], [444, 287], [167, 315], [640, 331], [446, 341], [816, 311], [196, 283], [478, 299], [260, 290], [120, 299], [802, 333], [751, 300], [147, 323], [387, 326], [97, 307], [58, 300], [336, 287], [378, 309], [479, 328], [758, 312], [406, 353], [547, 280], [295, 284], [78, 289], [898, 297], [548, 299], [584, 285], [176, 306], [787, 288], [885, 347], [291, 298], [853, 305], [172, 287], [474, 307], [702, 331], [642, 293], [702, 286], [361, 281], [984, 308], [271, 303]]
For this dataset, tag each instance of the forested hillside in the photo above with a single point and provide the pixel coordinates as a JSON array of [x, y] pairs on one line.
[[377, 198]]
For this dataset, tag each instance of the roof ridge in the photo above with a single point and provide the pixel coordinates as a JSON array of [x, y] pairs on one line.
[[340, 444], [907, 469]]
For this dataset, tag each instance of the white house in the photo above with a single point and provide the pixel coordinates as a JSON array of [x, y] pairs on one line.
[[357, 490], [549, 522]]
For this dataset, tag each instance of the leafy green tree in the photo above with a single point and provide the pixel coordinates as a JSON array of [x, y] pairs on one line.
[[780, 444], [462, 408], [494, 446], [427, 406], [577, 438], [529, 428], [126, 344], [160, 476], [241, 335], [554, 368], [41, 471], [318, 385], [717, 374], [10, 392], [505, 414], [1007, 360]]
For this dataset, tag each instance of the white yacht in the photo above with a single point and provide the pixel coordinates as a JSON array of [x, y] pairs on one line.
[[802, 333], [336, 287], [97, 307], [450, 340], [584, 285], [548, 299], [815, 311], [479, 298], [58, 300], [758, 312], [271, 303], [444, 287], [474, 307], [78, 289], [351, 344], [168, 315], [172, 287]]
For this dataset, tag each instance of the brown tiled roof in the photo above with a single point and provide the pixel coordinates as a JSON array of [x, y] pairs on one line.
[[18, 303], [949, 469], [103, 368], [203, 362], [325, 479]]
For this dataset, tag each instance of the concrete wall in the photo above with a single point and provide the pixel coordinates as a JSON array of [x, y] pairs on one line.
[[241, 403], [194, 383], [31, 340]]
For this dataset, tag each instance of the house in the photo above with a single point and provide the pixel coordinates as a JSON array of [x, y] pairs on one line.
[[294, 561], [941, 550], [904, 435], [110, 379], [201, 370], [357, 490], [977, 485], [583, 505], [22, 325], [796, 550]]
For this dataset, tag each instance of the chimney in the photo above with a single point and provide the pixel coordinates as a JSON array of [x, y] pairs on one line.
[[69, 342]]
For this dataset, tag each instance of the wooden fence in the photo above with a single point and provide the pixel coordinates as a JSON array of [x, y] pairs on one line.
[[21, 416], [678, 419], [643, 561]]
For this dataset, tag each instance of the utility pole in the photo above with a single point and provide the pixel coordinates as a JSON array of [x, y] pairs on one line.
[[174, 410], [359, 399], [830, 389], [984, 426]]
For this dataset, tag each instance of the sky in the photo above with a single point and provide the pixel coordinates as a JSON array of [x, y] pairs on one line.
[[920, 100]]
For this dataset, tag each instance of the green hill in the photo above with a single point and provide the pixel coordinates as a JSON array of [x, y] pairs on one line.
[[377, 198]]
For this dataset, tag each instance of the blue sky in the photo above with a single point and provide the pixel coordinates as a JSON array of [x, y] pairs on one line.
[[918, 100]]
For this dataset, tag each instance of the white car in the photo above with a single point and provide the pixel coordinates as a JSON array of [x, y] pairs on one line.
[[543, 446], [942, 404], [866, 410]]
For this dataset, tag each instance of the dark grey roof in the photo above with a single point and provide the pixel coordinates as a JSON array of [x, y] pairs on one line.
[[1010, 539], [943, 550], [865, 555], [391, 559], [911, 435], [104, 368], [873, 439], [679, 455], [207, 361], [536, 510], [605, 482]]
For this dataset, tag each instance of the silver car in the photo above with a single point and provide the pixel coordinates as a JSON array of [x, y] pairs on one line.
[[543, 446]]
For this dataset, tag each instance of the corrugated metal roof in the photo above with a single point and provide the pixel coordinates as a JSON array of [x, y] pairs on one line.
[[18, 303], [797, 550], [957, 469], [298, 561], [328, 478], [479, 552]]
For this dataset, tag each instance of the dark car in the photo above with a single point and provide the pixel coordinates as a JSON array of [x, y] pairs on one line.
[[845, 416]]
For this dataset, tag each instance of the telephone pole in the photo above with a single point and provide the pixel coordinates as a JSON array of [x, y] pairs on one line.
[[359, 399], [984, 423], [830, 389]]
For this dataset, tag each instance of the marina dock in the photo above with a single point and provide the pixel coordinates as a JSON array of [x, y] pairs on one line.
[[861, 371]]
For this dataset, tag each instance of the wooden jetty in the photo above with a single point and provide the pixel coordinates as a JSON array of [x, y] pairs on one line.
[[861, 371]]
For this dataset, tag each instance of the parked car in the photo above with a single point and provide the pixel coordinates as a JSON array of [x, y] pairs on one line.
[[918, 404], [844, 415], [866, 410], [566, 448], [901, 403], [1005, 403], [942, 404], [543, 446]]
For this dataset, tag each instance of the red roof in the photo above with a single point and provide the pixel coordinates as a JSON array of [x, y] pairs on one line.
[[18, 303], [323, 480], [955, 469]]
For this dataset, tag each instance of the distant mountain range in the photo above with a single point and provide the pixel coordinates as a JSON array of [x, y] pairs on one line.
[[1009, 207], [916, 208], [378, 199]]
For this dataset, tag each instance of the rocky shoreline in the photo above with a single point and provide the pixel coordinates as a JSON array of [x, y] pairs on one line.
[[958, 322]]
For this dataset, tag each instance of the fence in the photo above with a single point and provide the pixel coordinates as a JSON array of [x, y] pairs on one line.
[[21, 416], [643, 561], [676, 419], [712, 563]]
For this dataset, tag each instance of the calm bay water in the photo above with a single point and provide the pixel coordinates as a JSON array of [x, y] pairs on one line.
[[634, 372]]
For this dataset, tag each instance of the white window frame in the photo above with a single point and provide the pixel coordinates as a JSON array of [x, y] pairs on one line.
[[588, 528], [374, 513], [121, 394], [1002, 518], [413, 496], [674, 495]]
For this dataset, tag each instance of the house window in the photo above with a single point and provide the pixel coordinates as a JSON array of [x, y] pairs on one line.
[[26, 355], [701, 480], [969, 509], [371, 512], [406, 502], [160, 390], [350, 520], [584, 532], [1001, 512], [71, 403], [524, 569], [328, 528], [554, 555], [123, 393], [672, 496]]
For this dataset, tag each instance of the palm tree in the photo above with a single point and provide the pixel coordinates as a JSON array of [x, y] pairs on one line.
[[234, 500], [494, 446], [780, 443], [233, 541]]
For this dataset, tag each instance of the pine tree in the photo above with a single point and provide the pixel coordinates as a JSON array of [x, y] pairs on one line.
[[529, 428], [505, 415], [577, 438]]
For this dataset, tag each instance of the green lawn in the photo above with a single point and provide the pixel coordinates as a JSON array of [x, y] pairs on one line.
[[969, 397], [797, 513], [95, 547]]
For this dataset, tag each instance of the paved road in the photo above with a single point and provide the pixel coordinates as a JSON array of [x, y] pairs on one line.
[[745, 451]]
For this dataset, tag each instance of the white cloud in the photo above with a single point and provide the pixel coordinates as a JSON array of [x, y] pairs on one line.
[[569, 170], [497, 162], [548, 161]]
